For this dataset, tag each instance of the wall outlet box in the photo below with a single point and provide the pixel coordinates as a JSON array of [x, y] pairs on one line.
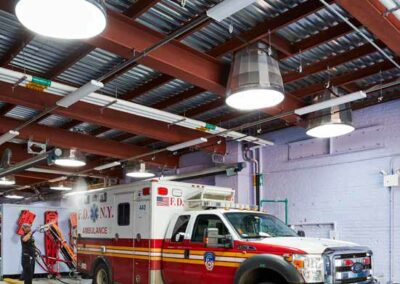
[[391, 180]]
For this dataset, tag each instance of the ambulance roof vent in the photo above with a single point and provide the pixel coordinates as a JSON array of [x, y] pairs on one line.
[[207, 198]]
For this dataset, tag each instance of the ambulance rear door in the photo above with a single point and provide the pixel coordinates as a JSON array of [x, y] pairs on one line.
[[122, 249], [142, 235]]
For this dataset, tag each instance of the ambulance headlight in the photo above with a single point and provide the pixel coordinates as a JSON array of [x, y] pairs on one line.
[[311, 267]]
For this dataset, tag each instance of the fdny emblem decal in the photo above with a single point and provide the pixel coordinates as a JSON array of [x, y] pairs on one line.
[[94, 213], [209, 260]]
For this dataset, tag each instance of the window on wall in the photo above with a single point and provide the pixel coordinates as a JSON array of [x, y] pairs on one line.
[[180, 229], [124, 210]]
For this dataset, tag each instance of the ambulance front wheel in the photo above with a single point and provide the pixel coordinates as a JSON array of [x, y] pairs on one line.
[[101, 274]]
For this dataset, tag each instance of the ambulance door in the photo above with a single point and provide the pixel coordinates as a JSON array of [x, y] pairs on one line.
[[208, 265], [141, 237], [176, 251], [122, 247]]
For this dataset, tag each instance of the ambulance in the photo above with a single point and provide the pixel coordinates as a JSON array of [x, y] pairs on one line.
[[174, 233]]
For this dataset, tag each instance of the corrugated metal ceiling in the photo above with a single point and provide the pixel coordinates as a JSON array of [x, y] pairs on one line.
[[42, 55]]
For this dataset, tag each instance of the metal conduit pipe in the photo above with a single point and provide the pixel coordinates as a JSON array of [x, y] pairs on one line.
[[206, 172], [6, 159], [31, 162], [371, 41], [391, 220], [256, 172], [200, 20]]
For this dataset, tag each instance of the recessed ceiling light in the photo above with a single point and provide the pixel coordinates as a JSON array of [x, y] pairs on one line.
[[65, 19]]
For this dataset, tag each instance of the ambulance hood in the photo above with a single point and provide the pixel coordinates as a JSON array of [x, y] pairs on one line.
[[308, 245]]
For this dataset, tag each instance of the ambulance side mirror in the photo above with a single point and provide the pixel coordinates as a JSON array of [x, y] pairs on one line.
[[301, 233], [179, 237]]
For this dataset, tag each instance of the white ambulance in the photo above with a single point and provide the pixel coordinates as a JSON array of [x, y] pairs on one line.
[[176, 233]]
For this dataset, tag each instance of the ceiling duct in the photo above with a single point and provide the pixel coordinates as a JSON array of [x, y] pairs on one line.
[[330, 122], [255, 80], [49, 156]]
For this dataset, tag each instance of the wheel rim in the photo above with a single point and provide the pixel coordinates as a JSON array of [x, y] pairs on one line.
[[101, 277]]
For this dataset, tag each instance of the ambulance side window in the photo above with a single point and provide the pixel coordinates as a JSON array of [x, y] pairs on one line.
[[124, 214], [207, 221], [180, 229]]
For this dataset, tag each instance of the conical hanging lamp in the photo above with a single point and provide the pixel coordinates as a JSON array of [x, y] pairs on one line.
[[255, 81], [64, 19], [330, 122]]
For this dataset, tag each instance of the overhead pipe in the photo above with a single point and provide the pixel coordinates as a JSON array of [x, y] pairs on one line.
[[6, 159], [391, 221], [356, 29], [22, 166], [256, 173], [206, 172]]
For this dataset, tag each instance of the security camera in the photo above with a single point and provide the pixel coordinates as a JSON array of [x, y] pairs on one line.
[[383, 172]]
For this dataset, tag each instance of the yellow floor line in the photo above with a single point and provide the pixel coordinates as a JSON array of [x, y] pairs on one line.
[[13, 281]]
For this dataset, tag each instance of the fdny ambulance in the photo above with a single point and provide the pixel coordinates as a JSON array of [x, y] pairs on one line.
[[174, 233]]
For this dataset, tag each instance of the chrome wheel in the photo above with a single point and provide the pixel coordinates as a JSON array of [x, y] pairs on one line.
[[101, 277]]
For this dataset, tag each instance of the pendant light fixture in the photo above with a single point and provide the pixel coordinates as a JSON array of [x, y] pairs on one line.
[[138, 170], [7, 181], [330, 122], [255, 81], [71, 158], [65, 19]]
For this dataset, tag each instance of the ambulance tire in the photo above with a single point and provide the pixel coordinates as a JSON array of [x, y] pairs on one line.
[[266, 269], [101, 274]]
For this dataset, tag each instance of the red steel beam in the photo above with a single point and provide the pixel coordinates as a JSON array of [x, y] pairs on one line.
[[324, 36], [370, 14], [139, 7], [174, 59], [108, 118], [187, 94], [271, 25], [89, 144], [332, 61], [206, 107], [25, 38], [345, 79], [6, 108], [73, 123], [69, 61], [19, 154], [147, 87]]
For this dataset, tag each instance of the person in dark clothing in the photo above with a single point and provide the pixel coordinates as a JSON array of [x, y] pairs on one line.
[[28, 254]]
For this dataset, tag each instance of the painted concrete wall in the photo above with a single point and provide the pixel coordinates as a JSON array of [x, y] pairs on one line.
[[334, 181], [339, 181]]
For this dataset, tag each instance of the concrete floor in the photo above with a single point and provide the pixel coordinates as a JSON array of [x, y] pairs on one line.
[[52, 281]]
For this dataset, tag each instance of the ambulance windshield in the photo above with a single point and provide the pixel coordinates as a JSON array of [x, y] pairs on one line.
[[257, 225]]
